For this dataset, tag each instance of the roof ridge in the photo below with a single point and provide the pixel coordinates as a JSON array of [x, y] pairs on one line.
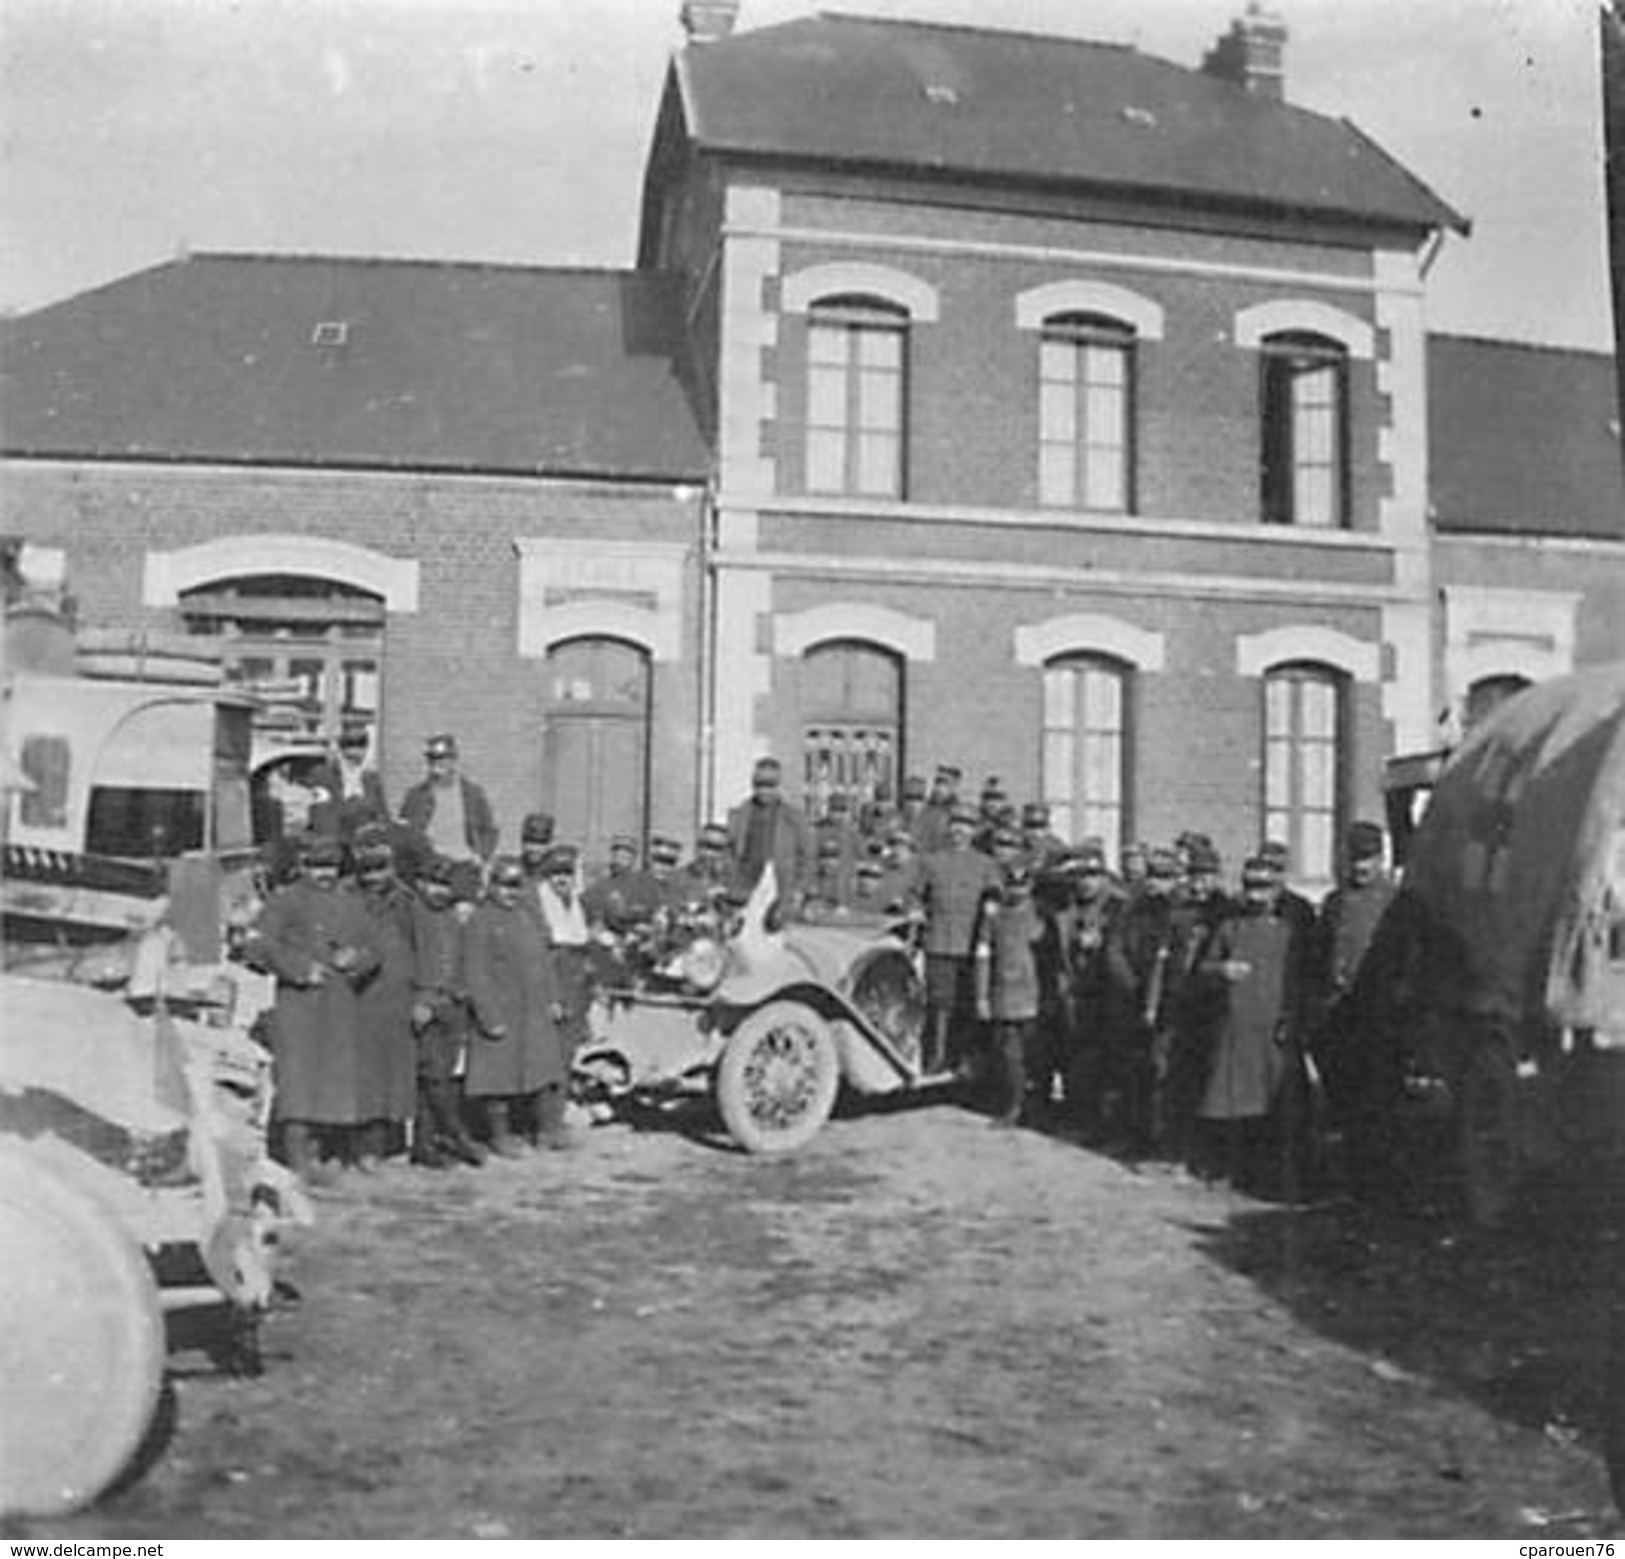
[[926, 24], [1549, 347], [425, 262]]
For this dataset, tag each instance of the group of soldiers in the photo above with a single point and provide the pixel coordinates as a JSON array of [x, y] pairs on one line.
[[425, 981], [1140, 1001]]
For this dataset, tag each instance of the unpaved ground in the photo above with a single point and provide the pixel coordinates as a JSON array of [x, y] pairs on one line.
[[917, 1327]]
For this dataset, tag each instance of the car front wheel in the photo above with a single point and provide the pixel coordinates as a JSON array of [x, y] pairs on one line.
[[778, 1077]]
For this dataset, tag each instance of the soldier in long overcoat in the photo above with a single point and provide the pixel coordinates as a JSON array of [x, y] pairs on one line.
[[517, 1059], [1144, 957], [1253, 968], [387, 1056], [440, 1021], [316, 939], [953, 883]]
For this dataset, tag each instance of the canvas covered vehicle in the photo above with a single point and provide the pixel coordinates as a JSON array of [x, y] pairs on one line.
[[135, 1184], [1515, 881], [773, 1023]]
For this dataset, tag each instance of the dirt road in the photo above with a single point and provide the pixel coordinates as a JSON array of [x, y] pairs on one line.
[[917, 1327]]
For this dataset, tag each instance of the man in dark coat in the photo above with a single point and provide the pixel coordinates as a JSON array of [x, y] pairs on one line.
[[1363, 983], [1145, 958], [1005, 958], [517, 1062], [440, 1022], [1085, 932], [767, 828], [953, 883], [1252, 968], [387, 1055], [315, 938], [448, 808]]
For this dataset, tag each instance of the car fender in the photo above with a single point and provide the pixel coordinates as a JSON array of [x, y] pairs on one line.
[[869, 1060]]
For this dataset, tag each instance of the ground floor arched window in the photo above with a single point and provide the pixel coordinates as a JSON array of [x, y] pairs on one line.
[[852, 723], [1085, 756], [1304, 765]]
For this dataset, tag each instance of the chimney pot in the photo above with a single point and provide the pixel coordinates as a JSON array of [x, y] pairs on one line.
[[1250, 54], [704, 21]]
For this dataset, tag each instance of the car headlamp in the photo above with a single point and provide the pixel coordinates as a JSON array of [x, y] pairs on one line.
[[702, 964]]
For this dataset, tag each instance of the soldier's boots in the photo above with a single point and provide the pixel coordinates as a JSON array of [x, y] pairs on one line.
[[551, 1127], [440, 1127], [503, 1141]]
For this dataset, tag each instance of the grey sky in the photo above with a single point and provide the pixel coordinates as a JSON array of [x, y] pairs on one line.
[[515, 130]]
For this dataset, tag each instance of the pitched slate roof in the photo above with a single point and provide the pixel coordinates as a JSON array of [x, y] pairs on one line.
[[856, 90], [1523, 439], [441, 366]]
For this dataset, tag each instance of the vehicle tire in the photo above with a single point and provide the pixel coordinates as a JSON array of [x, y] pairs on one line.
[[1487, 1130], [778, 1077], [81, 1342]]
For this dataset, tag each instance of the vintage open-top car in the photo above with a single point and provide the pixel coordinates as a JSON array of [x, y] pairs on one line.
[[772, 1022]]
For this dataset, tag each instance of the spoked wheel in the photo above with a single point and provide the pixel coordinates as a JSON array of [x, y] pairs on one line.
[[1487, 1130], [81, 1342], [778, 1077]]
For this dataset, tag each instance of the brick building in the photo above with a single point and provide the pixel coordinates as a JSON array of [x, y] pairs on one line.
[[422, 497], [1071, 421], [1066, 413]]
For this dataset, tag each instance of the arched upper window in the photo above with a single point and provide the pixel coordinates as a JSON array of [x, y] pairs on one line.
[[857, 356], [1303, 457], [1085, 413]]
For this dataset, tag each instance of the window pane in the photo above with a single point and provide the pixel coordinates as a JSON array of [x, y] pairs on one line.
[[1105, 414], [877, 463], [1058, 698], [1102, 769], [827, 344], [1278, 706], [1318, 781], [879, 348], [1278, 774], [826, 461], [1312, 497], [1103, 480], [1057, 475], [1315, 859], [1103, 700], [1106, 365], [1059, 756], [878, 401], [1319, 704], [1058, 413], [826, 397], [1057, 361]]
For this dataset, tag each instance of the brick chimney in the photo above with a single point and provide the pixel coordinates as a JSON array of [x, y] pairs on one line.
[[1249, 55], [704, 21]]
